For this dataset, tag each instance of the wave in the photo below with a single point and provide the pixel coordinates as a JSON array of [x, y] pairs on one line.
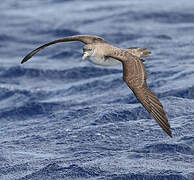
[[168, 149], [55, 171], [78, 73]]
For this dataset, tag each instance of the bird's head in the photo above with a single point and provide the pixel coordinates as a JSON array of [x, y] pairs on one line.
[[88, 50]]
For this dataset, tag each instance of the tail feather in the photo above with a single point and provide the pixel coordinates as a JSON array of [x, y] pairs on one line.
[[139, 52]]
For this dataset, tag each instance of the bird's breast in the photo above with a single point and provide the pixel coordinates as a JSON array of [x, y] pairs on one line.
[[103, 61]]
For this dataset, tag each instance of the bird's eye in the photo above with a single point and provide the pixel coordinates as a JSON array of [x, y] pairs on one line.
[[89, 49]]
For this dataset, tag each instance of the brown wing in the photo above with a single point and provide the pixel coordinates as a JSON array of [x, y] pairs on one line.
[[139, 52], [87, 39], [134, 74]]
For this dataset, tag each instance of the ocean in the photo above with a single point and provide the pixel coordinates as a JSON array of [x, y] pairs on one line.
[[62, 118]]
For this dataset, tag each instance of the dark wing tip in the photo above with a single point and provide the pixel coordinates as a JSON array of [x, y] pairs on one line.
[[169, 133], [167, 130], [25, 59], [28, 56]]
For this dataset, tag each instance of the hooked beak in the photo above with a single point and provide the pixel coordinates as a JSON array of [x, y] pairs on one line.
[[85, 55]]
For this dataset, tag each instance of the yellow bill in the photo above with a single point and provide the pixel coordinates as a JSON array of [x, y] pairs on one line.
[[85, 55]]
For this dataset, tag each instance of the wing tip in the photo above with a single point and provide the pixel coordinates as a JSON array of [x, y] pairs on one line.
[[170, 133], [24, 60], [167, 131], [28, 56]]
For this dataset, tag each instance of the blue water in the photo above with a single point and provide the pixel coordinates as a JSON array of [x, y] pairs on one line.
[[63, 118]]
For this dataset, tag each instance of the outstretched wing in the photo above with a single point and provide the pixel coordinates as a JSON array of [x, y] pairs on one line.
[[152, 104], [87, 39], [134, 74]]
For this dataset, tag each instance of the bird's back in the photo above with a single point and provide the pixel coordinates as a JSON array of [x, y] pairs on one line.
[[139, 52]]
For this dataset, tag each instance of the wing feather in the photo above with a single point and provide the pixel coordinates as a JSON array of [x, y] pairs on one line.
[[152, 104], [134, 74], [87, 39]]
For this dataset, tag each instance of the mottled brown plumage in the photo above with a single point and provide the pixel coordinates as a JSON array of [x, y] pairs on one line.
[[134, 73]]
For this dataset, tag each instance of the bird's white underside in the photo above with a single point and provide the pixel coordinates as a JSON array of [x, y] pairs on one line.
[[103, 61]]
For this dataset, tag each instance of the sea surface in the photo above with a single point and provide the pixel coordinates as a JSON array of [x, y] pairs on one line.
[[62, 118]]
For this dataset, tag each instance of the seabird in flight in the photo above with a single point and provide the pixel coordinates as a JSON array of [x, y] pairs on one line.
[[134, 73]]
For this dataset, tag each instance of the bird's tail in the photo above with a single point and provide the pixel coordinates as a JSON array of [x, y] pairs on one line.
[[139, 52]]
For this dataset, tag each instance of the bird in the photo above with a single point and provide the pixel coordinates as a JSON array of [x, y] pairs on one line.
[[103, 53]]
